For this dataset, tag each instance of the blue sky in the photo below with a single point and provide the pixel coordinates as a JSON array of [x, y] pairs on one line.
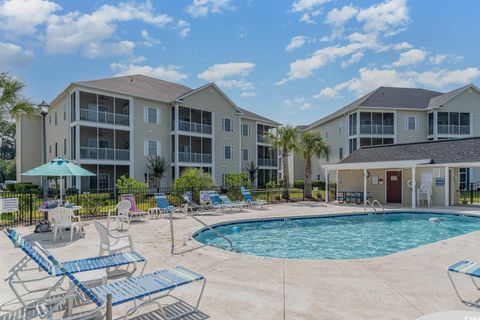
[[291, 60]]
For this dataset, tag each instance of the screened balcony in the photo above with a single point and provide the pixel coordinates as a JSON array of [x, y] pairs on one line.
[[194, 149], [193, 120], [104, 144], [104, 109]]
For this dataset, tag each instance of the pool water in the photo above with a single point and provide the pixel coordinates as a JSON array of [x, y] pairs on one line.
[[339, 237]]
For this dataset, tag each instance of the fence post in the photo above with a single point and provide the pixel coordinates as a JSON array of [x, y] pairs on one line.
[[108, 312], [77, 191], [303, 191], [471, 192], [31, 208]]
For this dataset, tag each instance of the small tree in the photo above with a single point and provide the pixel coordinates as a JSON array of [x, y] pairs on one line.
[[11, 100], [193, 178], [234, 181], [157, 168], [252, 170], [127, 184]]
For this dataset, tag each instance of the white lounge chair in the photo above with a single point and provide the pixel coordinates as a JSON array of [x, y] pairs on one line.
[[424, 193], [64, 218]]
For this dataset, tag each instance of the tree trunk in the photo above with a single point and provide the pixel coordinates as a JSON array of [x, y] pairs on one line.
[[308, 178], [285, 173]]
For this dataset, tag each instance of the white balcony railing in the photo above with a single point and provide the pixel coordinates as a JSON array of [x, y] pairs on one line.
[[192, 157], [376, 129], [453, 129], [263, 162], [104, 154], [194, 127], [104, 117]]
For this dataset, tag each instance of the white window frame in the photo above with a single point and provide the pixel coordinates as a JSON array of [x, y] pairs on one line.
[[248, 154], [146, 145], [223, 124], [146, 110], [225, 153], [100, 178], [248, 130], [326, 133], [407, 122]]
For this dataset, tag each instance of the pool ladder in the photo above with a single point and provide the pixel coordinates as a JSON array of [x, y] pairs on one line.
[[372, 204]]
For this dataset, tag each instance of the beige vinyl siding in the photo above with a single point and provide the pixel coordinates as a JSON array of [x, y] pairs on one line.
[[249, 142], [150, 131], [57, 133], [467, 101], [403, 134], [29, 146]]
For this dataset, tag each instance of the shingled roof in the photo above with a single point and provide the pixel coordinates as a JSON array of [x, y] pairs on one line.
[[252, 115], [439, 151]]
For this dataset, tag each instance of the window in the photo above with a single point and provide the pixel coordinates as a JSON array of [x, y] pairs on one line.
[[50, 149], [227, 125], [56, 149], [245, 154], [453, 122], [65, 146], [340, 153], [227, 152], [224, 179], [352, 124], [104, 181], [152, 147], [326, 132], [366, 142], [430, 123], [376, 122], [64, 111], [151, 115], [56, 120], [352, 145], [245, 130], [73, 102], [411, 123]]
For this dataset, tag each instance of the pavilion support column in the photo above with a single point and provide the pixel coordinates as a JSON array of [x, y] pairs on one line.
[[326, 186], [365, 198], [414, 188], [447, 187]]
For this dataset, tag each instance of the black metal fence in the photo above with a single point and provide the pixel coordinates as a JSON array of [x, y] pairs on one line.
[[471, 194], [96, 203]]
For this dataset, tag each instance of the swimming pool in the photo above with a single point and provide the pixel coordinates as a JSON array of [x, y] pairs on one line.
[[338, 237]]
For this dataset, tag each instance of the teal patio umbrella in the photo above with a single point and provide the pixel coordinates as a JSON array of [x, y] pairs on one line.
[[59, 167]]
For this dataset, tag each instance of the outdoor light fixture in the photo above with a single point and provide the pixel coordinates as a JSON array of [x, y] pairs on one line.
[[43, 107]]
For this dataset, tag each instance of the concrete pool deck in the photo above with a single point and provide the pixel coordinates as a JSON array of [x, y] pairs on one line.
[[405, 285]]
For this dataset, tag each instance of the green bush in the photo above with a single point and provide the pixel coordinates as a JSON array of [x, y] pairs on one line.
[[25, 187], [91, 203], [193, 179], [315, 184], [10, 187], [234, 181], [127, 184]]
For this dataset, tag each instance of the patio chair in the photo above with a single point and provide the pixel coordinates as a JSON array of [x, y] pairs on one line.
[[64, 218], [424, 193], [240, 205], [121, 214], [134, 212], [467, 268], [248, 198], [194, 208], [111, 244], [17, 282], [163, 207], [216, 201], [143, 290]]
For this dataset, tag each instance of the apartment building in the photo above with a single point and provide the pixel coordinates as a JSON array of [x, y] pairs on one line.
[[390, 115], [111, 126]]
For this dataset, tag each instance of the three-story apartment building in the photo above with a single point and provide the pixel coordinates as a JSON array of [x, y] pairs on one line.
[[390, 115], [111, 126]]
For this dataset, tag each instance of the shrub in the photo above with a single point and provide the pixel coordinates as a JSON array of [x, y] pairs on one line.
[[25, 187], [10, 187], [91, 203], [193, 179], [127, 184], [234, 181]]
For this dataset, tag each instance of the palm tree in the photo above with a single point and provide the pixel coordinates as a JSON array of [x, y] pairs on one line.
[[311, 144], [283, 138], [11, 100], [157, 168], [252, 169]]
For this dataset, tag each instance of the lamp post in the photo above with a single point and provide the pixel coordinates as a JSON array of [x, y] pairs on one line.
[[43, 107]]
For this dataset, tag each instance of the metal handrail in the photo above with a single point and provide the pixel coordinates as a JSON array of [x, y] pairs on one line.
[[372, 204], [205, 225]]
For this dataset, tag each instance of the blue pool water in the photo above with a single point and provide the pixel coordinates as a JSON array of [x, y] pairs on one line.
[[339, 237]]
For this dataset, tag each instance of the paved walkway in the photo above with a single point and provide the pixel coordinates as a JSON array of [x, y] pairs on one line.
[[405, 285]]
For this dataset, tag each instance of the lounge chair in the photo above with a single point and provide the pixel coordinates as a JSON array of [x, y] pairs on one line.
[[134, 212], [248, 198], [194, 208], [233, 204], [17, 282], [64, 218], [217, 202], [121, 214], [143, 290], [163, 207], [470, 269]]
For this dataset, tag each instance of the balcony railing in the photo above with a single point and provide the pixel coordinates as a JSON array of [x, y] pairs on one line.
[[104, 154], [263, 162], [194, 127], [193, 157], [453, 129], [260, 138], [376, 129], [104, 117]]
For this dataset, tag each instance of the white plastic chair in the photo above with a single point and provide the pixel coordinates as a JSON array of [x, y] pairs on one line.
[[111, 244], [120, 214], [63, 218], [424, 193]]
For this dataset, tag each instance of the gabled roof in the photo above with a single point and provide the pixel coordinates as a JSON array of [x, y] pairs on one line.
[[440, 100], [439, 151], [254, 116], [139, 86]]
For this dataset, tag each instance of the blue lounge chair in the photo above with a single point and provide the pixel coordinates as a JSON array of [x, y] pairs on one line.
[[15, 278], [163, 207], [216, 202], [233, 204], [247, 197], [470, 269], [142, 290]]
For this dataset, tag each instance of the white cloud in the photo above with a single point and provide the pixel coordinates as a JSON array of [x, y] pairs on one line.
[[248, 94], [440, 58], [338, 17], [183, 28], [22, 17], [90, 33], [11, 54], [202, 8], [169, 73], [230, 75], [297, 104], [305, 5], [296, 42], [388, 17], [370, 79], [353, 59], [402, 46], [409, 57], [306, 18], [148, 41]]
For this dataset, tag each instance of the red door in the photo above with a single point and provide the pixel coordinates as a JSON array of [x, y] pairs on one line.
[[394, 186]]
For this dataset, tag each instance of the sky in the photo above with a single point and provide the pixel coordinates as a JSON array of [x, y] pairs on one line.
[[293, 61]]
